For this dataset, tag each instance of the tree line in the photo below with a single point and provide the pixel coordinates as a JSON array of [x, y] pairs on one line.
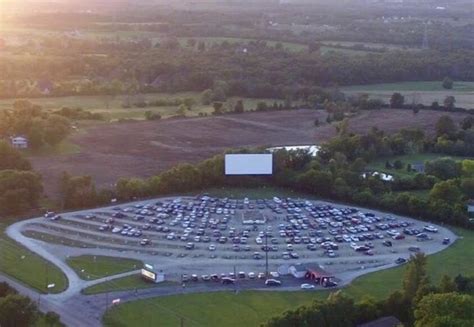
[[20, 311]]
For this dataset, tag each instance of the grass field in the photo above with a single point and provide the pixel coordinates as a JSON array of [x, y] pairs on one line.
[[125, 283], [93, 267], [253, 308], [379, 165], [27, 267], [418, 92], [413, 86], [371, 45], [111, 108]]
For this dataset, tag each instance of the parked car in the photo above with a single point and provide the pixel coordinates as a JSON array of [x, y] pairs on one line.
[[227, 280], [272, 282], [307, 286], [399, 261], [446, 240], [330, 283]]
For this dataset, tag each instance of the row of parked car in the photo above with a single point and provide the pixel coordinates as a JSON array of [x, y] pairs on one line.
[[211, 220]]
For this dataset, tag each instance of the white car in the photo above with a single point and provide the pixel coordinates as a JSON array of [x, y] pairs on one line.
[[252, 275], [258, 240], [307, 286], [212, 247], [274, 274]]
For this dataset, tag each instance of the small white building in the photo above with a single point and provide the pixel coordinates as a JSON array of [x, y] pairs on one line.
[[19, 142]]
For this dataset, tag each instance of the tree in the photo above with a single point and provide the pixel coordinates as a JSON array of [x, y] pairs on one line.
[[189, 103], [11, 158], [261, 106], [445, 126], [78, 191], [52, 319], [435, 105], [217, 108], [206, 97], [447, 83], [414, 274], [239, 107], [6, 289], [56, 129], [443, 168], [447, 309], [398, 164], [447, 191], [19, 191], [447, 285], [17, 311], [449, 102], [468, 167], [181, 110], [467, 122], [397, 100], [150, 115]]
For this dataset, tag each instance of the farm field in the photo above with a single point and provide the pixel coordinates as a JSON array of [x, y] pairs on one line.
[[106, 155], [421, 92], [251, 308], [90, 267], [111, 107]]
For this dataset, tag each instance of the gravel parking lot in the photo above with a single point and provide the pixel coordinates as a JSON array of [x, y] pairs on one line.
[[204, 235]]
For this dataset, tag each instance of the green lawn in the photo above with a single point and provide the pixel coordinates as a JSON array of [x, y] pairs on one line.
[[90, 267], [412, 86], [29, 268], [125, 283], [379, 165], [253, 308]]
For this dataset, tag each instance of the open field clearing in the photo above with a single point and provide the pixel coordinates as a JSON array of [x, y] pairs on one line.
[[420, 92], [151, 147], [111, 107]]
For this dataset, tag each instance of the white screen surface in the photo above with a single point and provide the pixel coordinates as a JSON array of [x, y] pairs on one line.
[[248, 164]]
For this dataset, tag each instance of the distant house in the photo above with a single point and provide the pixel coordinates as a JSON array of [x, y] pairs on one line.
[[389, 321], [19, 142], [419, 167]]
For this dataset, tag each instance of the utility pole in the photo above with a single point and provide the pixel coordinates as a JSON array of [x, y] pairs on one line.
[[266, 253], [235, 276]]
